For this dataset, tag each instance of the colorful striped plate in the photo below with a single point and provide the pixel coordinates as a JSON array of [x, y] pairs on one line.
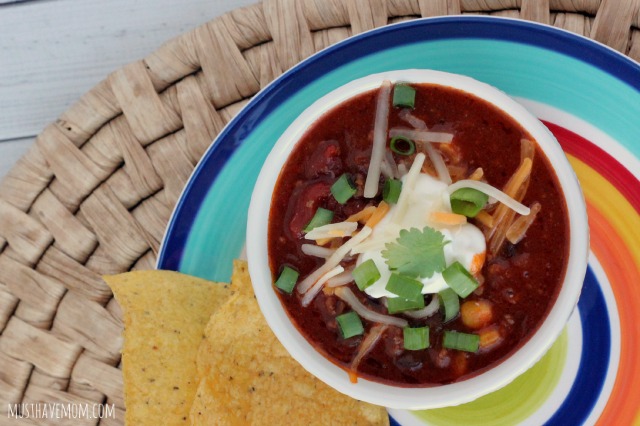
[[586, 93]]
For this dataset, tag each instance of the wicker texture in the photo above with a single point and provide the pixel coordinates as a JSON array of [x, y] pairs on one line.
[[94, 193]]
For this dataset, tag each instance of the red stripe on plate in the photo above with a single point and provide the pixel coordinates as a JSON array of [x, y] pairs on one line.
[[600, 161]]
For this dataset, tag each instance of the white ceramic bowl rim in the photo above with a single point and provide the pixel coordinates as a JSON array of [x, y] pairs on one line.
[[427, 397]]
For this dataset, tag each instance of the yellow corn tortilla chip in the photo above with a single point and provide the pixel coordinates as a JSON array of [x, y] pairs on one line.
[[250, 379], [165, 314]]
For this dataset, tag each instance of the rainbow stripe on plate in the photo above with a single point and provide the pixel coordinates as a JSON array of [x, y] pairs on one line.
[[613, 203], [613, 207], [587, 94]]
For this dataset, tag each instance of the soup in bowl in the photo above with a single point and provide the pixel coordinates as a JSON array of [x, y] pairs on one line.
[[410, 242]]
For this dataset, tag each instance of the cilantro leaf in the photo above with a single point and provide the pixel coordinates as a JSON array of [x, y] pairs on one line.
[[417, 254]]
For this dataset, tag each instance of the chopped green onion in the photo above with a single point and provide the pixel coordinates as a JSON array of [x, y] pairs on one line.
[[404, 287], [321, 218], [402, 145], [468, 201], [343, 189], [459, 279], [450, 302], [400, 304], [366, 274], [287, 279], [350, 324], [404, 96], [416, 339], [461, 341], [391, 191]]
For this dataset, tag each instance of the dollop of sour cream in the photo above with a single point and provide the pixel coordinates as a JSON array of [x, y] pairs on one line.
[[427, 196]]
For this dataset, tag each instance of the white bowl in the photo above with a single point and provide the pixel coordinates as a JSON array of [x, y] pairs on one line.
[[440, 395]]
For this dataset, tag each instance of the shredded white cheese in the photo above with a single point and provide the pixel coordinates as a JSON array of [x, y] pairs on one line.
[[416, 122], [342, 279], [371, 244], [385, 232], [407, 187], [427, 311], [434, 156], [332, 230], [369, 342], [317, 251], [385, 169], [491, 191], [315, 289], [347, 295], [379, 140], [421, 135], [438, 163], [391, 163], [334, 260]]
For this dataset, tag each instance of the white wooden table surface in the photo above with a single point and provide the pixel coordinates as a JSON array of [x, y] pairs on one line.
[[53, 51]]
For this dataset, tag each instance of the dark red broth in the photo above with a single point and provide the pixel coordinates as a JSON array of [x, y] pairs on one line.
[[521, 281]]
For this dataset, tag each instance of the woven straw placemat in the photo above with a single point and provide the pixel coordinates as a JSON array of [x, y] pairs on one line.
[[94, 193]]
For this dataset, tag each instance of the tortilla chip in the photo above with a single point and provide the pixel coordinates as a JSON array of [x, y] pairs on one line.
[[250, 379], [165, 314]]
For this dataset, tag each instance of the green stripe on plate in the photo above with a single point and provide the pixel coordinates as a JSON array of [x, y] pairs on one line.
[[512, 404]]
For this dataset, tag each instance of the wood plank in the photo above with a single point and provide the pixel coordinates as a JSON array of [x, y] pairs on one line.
[[51, 52]]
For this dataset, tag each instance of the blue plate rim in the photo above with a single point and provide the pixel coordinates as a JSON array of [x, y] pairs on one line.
[[478, 27]]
